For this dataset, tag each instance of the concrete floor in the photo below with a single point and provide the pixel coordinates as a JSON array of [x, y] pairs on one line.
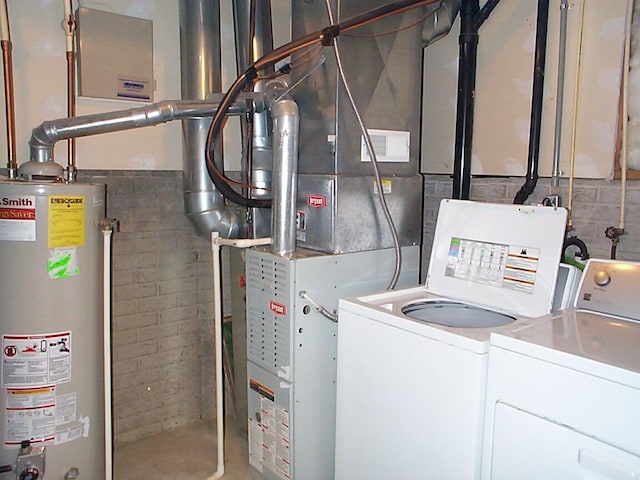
[[185, 453]]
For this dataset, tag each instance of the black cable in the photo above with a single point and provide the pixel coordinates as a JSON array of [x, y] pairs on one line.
[[576, 242], [215, 129]]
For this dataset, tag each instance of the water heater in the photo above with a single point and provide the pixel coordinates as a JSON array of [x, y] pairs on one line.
[[51, 328]]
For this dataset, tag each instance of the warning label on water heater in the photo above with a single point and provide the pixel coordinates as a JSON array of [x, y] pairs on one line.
[[18, 218], [30, 414], [36, 360]]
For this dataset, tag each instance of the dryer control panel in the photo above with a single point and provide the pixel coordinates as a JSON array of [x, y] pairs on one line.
[[611, 287]]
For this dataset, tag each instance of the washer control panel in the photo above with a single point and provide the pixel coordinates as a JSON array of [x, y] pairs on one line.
[[611, 287]]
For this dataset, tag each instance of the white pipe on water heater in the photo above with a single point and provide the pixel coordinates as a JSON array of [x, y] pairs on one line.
[[107, 231], [4, 21], [625, 114], [217, 334], [216, 243], [68, 24]]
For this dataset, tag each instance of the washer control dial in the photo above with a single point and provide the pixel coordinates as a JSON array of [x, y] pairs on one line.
[[602, 278]]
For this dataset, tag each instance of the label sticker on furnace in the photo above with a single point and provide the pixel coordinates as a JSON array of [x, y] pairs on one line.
[[18, 218], [36, 360]]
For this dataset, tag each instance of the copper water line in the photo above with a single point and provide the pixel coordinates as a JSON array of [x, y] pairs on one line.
[[7, 63], [12, 163], [69, 26], [71, 112]]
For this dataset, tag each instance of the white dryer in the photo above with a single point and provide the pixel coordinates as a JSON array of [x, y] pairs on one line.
[[412, 363], [563, 394]]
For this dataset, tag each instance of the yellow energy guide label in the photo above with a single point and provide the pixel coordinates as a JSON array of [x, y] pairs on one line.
[[66, 221]]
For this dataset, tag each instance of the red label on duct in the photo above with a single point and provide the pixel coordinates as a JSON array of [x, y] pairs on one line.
[[316, 201], [277, 308]]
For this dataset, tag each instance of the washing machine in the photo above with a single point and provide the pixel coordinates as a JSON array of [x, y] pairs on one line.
[[563, 393], [412, 363]]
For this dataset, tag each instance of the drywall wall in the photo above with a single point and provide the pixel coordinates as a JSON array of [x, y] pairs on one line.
[[40, 83], [503, 90]]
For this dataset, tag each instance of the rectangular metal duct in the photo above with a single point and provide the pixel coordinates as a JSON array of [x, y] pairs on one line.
[[338, 205]]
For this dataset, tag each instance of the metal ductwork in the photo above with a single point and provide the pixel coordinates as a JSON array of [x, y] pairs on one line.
[[45, 135], [254, 38], [286, 123], [200, 68], [439, 24]]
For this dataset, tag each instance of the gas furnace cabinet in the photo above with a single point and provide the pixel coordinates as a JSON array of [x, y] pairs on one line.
[[291, 352]]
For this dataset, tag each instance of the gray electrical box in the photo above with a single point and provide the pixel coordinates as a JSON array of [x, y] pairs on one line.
[[115, 56]]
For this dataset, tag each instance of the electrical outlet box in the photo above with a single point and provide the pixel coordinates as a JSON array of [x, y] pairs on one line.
[[115, 56]]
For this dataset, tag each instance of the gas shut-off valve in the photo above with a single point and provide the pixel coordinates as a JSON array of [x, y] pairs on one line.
[[30, 463]]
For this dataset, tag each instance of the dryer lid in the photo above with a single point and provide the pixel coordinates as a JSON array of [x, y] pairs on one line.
[[499, 256]]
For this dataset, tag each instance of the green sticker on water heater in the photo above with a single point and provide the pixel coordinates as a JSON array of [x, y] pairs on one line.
[[63, 263]]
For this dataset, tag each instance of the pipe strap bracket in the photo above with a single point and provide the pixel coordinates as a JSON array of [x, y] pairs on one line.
[[328, 34], [469, 37]]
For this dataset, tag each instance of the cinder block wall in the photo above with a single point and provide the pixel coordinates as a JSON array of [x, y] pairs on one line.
[[163, 373], [596, 207]]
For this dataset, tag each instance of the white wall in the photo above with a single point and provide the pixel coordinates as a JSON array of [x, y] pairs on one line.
[[503, 90], [40, 83]]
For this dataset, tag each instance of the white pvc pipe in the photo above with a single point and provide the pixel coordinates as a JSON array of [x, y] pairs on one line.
[[241, 242], [625, 114], [106, 300], [574, 127], [216, 243], [4, 21], [68, 23], [217, 333]]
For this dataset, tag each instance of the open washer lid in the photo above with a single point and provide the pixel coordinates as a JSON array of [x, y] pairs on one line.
[[499, 256]]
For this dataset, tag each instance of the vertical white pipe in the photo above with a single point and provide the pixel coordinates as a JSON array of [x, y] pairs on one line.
[[4, 21], [106, 300], [625, 113], [574, 127], [216, 243], [68, 24], [217, 334]]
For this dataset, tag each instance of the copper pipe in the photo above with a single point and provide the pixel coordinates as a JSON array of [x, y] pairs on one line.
[[69, 27], [7, 62], [71, 112], [323, 37]]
